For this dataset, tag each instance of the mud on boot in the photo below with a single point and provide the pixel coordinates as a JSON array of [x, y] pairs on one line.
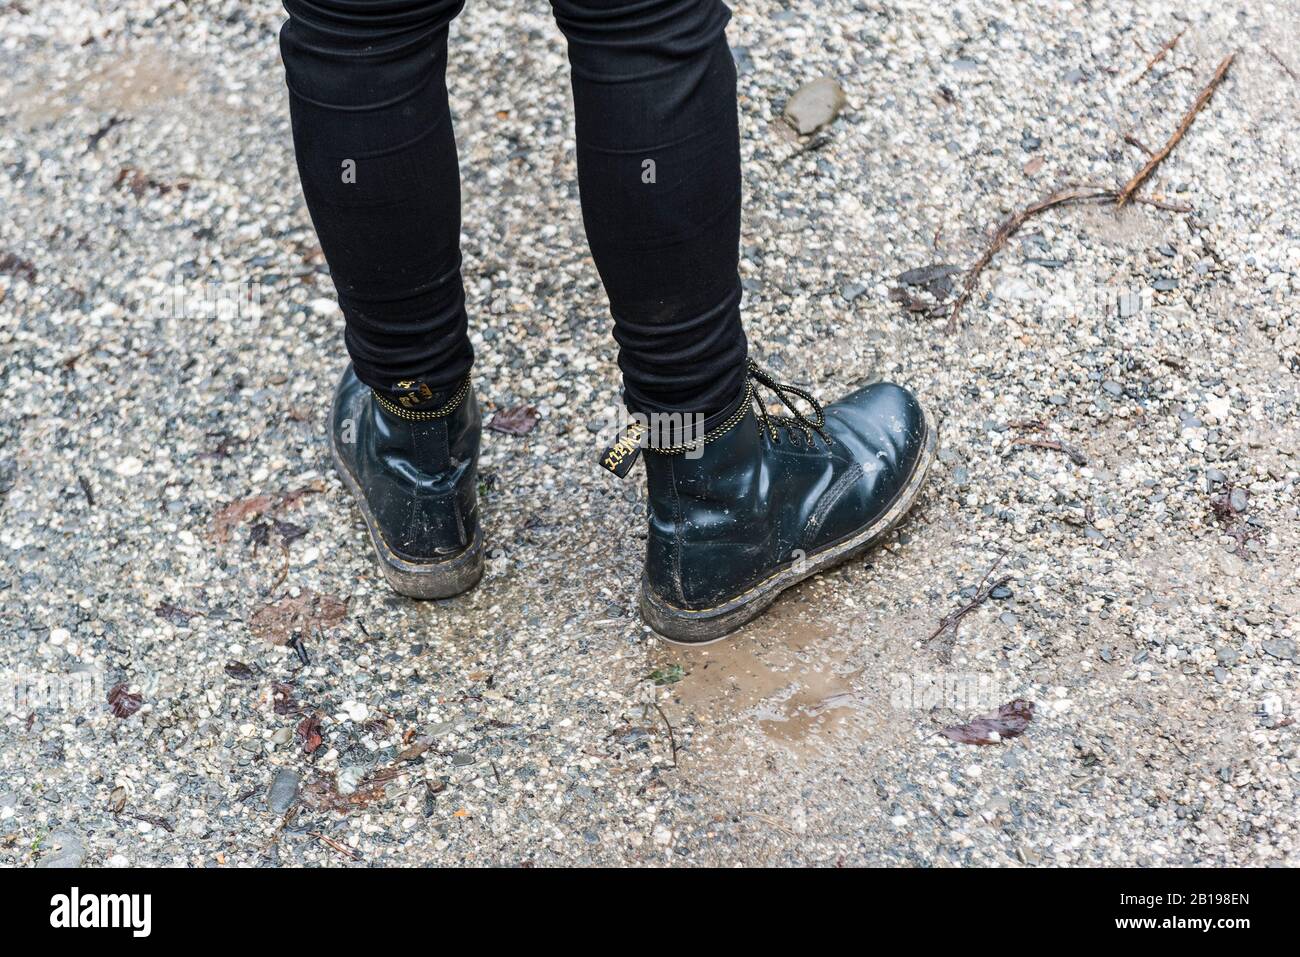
[[768, 501], [414, 474]]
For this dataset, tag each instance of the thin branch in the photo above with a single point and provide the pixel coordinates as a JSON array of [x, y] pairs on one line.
[[1010, 226], [342, 849], [1163, 204], [1127, 192], [1132, 140], [982, 594], [672, 738], [1283, 64], [1090, 194], [1160, 54], [1055, 445]]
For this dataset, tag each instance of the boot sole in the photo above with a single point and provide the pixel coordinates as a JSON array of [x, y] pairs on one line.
[[424, 580], [682, 626]]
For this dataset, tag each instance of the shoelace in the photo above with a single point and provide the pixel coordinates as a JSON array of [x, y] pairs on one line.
[[620, 456], [773, 423]]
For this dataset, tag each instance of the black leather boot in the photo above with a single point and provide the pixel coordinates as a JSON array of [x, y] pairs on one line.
[[769, 501], [414, 474]]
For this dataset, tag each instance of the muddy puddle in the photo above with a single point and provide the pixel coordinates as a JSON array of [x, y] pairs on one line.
[[794, 679]]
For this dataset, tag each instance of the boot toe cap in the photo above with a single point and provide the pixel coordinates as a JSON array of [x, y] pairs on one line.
[[882, 421], [883, 428]]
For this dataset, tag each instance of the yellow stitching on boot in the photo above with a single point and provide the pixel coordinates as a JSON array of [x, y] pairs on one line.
[[422, 416], [731, 423]]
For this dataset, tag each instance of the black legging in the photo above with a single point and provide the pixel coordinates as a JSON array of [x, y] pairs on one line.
[[654, 91]]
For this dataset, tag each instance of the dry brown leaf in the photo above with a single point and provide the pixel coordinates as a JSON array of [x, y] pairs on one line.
[[322, 795], [1011, 720], [413, 751], [308, 733], [236, 513], [123, 703], [309, 612], [516, 420]]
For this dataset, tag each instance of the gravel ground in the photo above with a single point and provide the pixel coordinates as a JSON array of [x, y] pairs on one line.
[[169, 513]]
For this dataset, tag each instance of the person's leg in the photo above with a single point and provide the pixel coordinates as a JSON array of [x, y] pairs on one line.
[[758, 503], [654, 92], [377, 157]]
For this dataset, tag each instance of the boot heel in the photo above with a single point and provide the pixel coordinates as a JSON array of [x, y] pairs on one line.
[[441, 579], [433, 579], [681, 626]]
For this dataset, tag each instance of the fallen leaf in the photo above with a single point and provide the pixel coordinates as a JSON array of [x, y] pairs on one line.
[[667, 676], [174, 613], [282, 699], [935, 279], [413, 751], [1012, 719], [323, 795], [293, 497], [309, 735], [309, 612], [235, 513], [259, 535], [240, 671], [288, 532], [17, 266], [122, 702], [516, 420]]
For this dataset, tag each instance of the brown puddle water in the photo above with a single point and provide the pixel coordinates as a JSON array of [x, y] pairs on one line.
[[785, 676]]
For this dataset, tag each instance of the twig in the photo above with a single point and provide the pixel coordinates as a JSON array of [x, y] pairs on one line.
[[1028, 425], [153, 819], [1282, 63], [283, 574], [1077, 457], [1067, 197], [812, 146], [1127, 192], [672, 738], [1132, 140], [1010, 226], [773, 822], [1163, 204], [347, 851], [288, 816], [1160, 54], [982, 594]]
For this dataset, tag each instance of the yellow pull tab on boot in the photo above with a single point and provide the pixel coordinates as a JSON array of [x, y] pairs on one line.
[[621, 456]]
